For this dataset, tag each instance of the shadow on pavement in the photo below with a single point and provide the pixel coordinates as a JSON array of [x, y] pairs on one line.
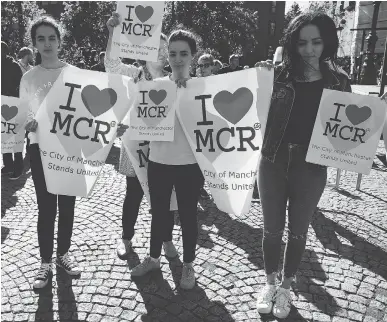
[[360, 252], [4, 233], [113, 157], [66, 299], [44, 311]]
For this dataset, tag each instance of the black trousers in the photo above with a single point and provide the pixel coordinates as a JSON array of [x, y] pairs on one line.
[[13, 161], [187, 180], [130, 210], [47, 205]]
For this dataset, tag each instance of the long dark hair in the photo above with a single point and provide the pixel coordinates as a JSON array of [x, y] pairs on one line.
[[291, 58]]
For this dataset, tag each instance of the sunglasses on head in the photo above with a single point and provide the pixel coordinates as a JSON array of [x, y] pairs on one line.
[[205, 65]]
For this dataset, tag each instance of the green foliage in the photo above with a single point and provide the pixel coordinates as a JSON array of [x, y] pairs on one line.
[[291, 14], [16, 17]]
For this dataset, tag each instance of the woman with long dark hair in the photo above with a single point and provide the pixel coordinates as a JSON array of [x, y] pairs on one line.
[[310, 46], [35, 84]]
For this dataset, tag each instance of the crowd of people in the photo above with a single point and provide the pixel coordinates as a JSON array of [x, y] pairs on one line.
[[309, 49]]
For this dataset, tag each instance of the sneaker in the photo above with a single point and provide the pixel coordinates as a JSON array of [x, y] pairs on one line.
[[44, 274], [282, 304], [265, 299], [70, 266], [169, 249], [15, 175], [5, 171], [188, 280], [146, 266], [123, 247]]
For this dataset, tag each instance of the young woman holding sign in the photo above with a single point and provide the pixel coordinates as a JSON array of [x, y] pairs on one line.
[[34, 87], [310, 46], [173, 164], [134, 193]]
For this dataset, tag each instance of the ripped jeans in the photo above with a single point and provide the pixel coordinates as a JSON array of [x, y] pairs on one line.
[[289, 179]]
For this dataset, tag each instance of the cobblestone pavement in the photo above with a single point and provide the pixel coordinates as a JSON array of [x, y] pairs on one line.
[[342, 276]]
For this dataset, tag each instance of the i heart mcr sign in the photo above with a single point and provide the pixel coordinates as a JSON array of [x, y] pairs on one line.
[[219, 115], [13, 119], [347, 131], [152, 116], [77, 124], [138, 34]]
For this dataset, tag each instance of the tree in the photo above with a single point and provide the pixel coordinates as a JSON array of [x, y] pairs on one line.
[[16, 17], [291, 14]]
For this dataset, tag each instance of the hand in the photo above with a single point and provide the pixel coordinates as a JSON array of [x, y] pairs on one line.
[[31, 126], [121, 129], [384, 97], [136, 79], [113, 21], [266, 64], [181, 82]]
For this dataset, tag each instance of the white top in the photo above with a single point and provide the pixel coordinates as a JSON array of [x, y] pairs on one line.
[[177, 152], [34, 86]]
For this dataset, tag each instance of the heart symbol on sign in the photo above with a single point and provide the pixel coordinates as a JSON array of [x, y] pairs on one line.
[[8, 112], [357, 115], [233, 107], [98, 102], [144, 14], [157, 96]]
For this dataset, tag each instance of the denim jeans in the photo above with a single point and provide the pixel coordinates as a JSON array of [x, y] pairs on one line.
[[187, 180], [290, 179], [47, 205]]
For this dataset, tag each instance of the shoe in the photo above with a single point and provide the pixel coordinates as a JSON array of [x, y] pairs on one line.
[[44, 274], [146, 266], [265, 299], [15, 175], [5, 171], [188, 280], [282, 304], [123, 247], [170, 249], [70, 266]]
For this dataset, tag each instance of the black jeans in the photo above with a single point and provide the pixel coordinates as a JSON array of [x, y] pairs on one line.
[[130, 209], [289, 178], [47, 205], [187, 180], [13, 161]]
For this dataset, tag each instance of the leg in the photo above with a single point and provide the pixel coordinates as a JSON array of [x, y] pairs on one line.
[[169, 223], [134, 194], [66, 206], [46, 204], [188, 184], [8, 162]]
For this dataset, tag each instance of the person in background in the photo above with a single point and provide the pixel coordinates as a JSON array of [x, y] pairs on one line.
[[246, 67], [310, 46], [205, 65], [234, 65], [11, 75], [26, 57], [100, 66], [217, 66]]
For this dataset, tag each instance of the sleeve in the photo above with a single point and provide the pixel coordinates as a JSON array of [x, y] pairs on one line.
[[346, 85], [24, 96], [116, 66]]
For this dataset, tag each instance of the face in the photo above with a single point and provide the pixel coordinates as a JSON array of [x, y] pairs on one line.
[[180, 56], [205, 67], [29, 59], [47, 42], [234, 63], [310, 44], [215, 68]]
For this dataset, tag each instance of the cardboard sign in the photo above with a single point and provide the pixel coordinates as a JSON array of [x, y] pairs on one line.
[[138, 34], [77, 124], [13, 119], [219, 117], [152, 116], [138, 152], [347, 131]]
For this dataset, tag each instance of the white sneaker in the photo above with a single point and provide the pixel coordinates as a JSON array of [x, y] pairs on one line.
[[282, 304], [44, 273], [123, 247], [188, 279], [265, 299], [149, 264], [169, 249]]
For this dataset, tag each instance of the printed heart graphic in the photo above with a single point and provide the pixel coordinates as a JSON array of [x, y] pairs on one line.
[[8, 112], [157, 96], [357, 115], [144, 14], [98, 102], [233, 107]]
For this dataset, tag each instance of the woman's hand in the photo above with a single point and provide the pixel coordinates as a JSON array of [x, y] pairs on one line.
[[181, 82], [31, 126], [121, 129], [266, 64], [113, 21]]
